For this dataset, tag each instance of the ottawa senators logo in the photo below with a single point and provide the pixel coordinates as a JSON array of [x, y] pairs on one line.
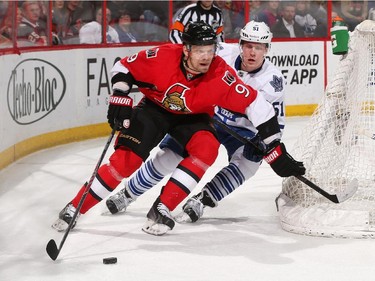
[[174, 98], [228, 78], [152, 53]]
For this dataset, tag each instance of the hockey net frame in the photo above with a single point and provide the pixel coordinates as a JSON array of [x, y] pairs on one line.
[[337, 146]]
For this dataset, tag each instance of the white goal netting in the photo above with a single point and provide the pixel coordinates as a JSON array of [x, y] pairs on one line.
[[337, 146]]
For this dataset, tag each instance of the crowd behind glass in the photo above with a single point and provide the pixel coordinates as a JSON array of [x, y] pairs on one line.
[[49, 23]]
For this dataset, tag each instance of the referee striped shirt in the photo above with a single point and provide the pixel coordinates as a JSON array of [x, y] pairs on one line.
[[194, 12]]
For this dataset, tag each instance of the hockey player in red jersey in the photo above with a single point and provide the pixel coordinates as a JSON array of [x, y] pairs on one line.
[[182, 84], [248, 58]]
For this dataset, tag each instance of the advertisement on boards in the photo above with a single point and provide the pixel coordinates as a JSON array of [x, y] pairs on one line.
[[56, 90], [302, 64]]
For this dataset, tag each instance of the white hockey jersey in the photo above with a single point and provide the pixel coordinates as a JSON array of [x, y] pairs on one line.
[[268, 81]]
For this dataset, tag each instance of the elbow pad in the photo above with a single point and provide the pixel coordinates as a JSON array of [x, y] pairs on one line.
[[122, 83], [269, 131], [121, 89]]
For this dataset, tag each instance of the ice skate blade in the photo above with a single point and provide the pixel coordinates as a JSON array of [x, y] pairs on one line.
[[154, 228], [183, 218], [60, 225]]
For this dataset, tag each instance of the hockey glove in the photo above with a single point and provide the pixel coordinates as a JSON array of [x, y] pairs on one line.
[[119, 110], [282, 163], [250, 152]]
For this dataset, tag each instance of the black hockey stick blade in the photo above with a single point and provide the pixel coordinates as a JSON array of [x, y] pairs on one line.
[[52, 249], [335, 198]]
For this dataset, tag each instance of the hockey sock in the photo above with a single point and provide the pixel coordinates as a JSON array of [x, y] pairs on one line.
[[153, 171], [225, 182], [123, 162], [100, 188], [232, 176]]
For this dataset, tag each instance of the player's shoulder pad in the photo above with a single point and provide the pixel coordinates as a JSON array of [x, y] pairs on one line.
[[165, 51]]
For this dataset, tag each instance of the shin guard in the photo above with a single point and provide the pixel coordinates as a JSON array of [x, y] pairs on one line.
[[123, 163], [203, 149]]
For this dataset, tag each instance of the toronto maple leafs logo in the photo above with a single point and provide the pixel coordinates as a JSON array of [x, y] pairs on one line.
[[277, 83], [174, 98]]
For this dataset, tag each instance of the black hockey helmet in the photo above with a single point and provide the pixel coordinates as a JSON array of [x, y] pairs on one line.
[[198, 33]]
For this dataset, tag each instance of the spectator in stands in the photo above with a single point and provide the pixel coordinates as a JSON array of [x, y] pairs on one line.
[[286, 27], [80, 13], [116, 8], [255, 8], [336, 8], [354, 12], [91, 33], [270, 14], [3, 24], [371, 10], [238, 16], [60, 18], [4, 6], [201, 11], [75, 16], [6, 24], [124, 28], [149, 20], [304, 19], [227, 17], [318, 9], [31, 30], [150, 23]]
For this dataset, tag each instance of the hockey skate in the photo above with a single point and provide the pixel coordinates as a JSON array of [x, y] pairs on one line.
[[119, 201], [159, 219], [192, 210], [65, 217]]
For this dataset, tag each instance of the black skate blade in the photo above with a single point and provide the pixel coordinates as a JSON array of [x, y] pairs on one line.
[[52, 250]]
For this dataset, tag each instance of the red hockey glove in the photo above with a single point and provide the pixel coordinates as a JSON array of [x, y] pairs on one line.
[[282, 163], [119, 110]]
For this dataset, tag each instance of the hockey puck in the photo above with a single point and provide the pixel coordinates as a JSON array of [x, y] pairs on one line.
[[111, 260]]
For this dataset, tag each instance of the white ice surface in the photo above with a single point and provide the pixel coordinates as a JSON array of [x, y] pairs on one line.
[[239, 240]]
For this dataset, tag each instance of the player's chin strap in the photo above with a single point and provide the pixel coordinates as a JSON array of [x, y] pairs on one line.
[[335, 198], [186, 65]]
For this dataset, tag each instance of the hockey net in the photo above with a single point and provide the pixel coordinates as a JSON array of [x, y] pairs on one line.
[[337, 146]]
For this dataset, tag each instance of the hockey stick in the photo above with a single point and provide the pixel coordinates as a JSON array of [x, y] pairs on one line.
[[335, 198], [52, 250]]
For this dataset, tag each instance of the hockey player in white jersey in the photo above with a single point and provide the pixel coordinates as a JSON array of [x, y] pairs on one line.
[[248, 59]]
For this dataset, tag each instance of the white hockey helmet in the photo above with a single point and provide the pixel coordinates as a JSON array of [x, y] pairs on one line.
[[258, 32]]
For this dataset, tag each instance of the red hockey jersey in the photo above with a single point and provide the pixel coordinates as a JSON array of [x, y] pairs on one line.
[[160, 78]]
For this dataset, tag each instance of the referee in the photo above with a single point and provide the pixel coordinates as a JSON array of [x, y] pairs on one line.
[[201, 11]]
